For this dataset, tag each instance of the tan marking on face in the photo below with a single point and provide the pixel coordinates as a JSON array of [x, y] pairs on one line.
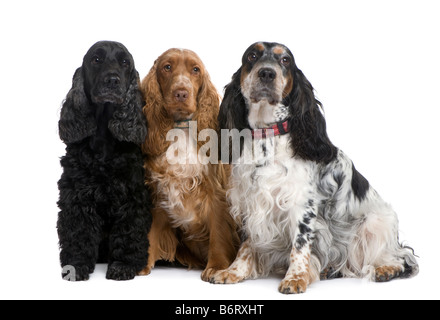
[[278, 50], [244, 75], [289, 85], [260, 47]]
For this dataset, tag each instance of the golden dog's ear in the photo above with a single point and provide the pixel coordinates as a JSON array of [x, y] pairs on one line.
[[150, 87], [208, 105], [157, 118]]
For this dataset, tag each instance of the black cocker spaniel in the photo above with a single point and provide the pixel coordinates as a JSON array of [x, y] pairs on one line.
[[105, 206]]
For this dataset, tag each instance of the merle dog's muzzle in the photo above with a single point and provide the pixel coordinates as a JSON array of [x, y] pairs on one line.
[[264, 86]]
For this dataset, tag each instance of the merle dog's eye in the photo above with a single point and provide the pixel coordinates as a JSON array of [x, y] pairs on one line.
[[252, 57], [285, 61]]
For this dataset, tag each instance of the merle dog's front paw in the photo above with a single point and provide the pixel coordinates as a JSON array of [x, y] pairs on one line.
[[120, 271], [76, 273]]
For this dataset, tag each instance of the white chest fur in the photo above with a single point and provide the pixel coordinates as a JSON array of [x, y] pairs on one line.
[[262, 114], [181, 178], [268, 193]]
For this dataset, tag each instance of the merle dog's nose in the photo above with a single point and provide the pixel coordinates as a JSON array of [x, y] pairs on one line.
[[267, 75], [112, 81]]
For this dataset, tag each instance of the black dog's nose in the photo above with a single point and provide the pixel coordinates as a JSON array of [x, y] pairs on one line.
[[112, 81], [267, 75]]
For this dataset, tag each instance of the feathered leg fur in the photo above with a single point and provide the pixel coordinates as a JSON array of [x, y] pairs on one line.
[[356, 231]]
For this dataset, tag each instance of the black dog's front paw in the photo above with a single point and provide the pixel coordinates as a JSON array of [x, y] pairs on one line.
[[76, 273], [120, 271]]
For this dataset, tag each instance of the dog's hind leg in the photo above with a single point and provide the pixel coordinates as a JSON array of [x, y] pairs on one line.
[[376, 252]]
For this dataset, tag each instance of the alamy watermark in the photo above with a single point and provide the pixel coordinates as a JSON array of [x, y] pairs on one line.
[[69, 273], [236, 147]]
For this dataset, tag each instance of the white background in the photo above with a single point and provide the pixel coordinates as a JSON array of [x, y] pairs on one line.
[[374, 65]]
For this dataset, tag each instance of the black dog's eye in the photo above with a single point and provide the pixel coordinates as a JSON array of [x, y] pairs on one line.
[[125, 62], [285, 61], [252, 57], [167, 68], [97, 60]]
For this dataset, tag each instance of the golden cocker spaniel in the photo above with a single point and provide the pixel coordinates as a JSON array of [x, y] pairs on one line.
[[191, 220]]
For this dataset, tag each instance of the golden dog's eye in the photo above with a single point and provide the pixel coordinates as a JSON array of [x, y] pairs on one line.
[[196, 70], [167, 68], [252, 57]]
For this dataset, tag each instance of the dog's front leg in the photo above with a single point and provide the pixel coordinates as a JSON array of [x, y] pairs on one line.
[[162, 241], [241, 268], [223, 242], [299, 275]]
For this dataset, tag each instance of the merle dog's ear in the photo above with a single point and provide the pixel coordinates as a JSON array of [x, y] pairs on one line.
[[307, 124], [77, 120], [233, 115], [129, 123], [233, 111]]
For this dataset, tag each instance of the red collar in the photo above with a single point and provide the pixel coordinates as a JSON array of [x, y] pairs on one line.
[[279, 129]]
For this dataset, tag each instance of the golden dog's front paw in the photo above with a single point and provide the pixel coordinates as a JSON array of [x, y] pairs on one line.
[[145, 272], [293, 286], [208, 273]]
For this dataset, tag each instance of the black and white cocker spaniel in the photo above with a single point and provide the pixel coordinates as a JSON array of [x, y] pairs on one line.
[[302, 205]]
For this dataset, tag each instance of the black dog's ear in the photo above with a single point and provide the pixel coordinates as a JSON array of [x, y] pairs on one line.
[[129, 123], [233, 111], [307, 125], [76, 121]]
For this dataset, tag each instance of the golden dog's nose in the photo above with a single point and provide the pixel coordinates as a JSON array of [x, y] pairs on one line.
[[181, 95]]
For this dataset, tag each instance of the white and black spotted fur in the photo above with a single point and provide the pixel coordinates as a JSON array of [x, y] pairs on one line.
[[304, 208]]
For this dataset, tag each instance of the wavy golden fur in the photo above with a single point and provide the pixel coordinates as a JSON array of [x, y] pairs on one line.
[[191, 220], [207, 101]]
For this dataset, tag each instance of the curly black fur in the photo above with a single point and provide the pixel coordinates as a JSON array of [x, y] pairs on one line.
[[105, 206]]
